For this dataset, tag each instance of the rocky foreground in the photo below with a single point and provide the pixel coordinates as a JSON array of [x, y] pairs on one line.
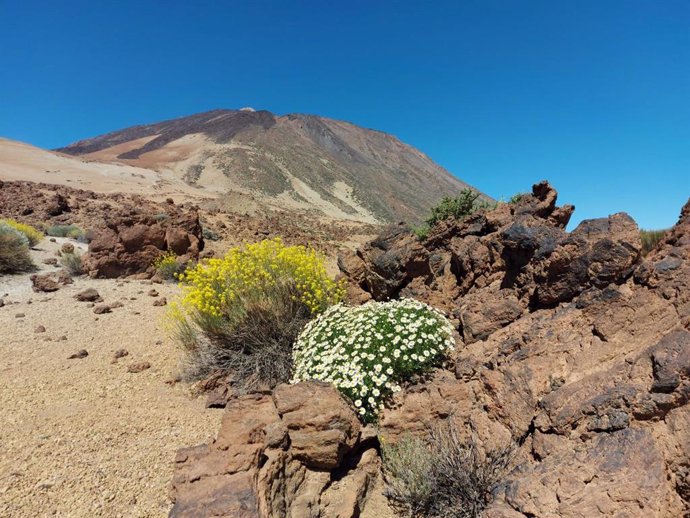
[[572, 346]]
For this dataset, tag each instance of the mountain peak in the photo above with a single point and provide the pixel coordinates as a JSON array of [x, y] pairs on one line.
[[321, 164]]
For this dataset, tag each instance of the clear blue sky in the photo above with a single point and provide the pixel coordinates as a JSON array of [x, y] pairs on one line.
[[592, 95]]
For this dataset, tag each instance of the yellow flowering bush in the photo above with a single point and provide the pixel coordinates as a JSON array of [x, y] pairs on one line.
[[242, 313], [32, 234], [168, 266], [214, 286]]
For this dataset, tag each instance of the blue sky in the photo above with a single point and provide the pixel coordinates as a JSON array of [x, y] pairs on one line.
[[591, 95]]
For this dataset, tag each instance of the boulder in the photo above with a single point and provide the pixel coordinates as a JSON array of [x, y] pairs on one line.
[[128, 242], [88, 295], [44, 283], [273, 456]]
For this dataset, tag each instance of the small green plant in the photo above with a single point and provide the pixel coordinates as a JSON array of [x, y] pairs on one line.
[[161, 217], [422, 231], [466, 203], [168, 266], [367, 351], [72, 262], [14, 250], [209, 234], [71, 231], [442, 475], [651, 238], [517, 197], [32, 234]]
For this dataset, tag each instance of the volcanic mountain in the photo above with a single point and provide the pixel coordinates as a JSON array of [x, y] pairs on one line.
[[301, 162]]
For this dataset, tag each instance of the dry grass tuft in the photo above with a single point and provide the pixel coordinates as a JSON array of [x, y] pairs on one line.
[[442, 476], [651, 238], [255, 346]]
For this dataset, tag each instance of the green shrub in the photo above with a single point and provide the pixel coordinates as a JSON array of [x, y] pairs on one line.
[[367, 351], [14, 250], [442, 475], [422, 232], [466, 203], [209, 234], [242, 313], [515, 198], [72, 262], [71, 231], [32, 234], [651, 238]]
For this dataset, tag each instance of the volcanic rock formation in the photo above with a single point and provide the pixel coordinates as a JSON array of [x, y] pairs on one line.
[[574, 348]]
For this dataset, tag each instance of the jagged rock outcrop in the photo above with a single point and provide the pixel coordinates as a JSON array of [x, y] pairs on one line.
[[574, 348], [280, 454], [126, 233], [129, 241]]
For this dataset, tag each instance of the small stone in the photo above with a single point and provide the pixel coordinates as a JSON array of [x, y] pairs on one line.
[[63, 338], [67, 248], [2, 302], [121, 353], [88, 295], [116, 304], [52, 240], [152, 293], [19, 315], [160, 302], [101, 308], [138, 367], [82, 353], [51, 260], [40, 329]]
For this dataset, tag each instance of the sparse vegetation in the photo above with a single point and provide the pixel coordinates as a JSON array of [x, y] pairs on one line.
[[14, 250], [422, 232], [209, 234], [442, 475], [466, 203], [367, 351], [72, 262], [459, 207], [651, 238], [161, 217], [32, 234], [168, 266], [515, 198], [71, 231], [242, 313]]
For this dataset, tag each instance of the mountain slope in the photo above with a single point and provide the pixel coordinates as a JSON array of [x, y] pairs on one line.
[[297, 161]]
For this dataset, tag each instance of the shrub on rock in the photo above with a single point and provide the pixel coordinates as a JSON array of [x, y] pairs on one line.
[[367, 351], [14, 250]]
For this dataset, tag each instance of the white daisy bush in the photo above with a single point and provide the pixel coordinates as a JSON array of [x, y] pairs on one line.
[[367, 351]]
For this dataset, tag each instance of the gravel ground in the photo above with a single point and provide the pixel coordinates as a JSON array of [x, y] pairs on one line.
[[85, 437]]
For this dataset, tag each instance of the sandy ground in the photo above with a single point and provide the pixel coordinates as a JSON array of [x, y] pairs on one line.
[[84, 437]]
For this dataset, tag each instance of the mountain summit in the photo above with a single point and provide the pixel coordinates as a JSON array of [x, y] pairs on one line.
[[293, 161]]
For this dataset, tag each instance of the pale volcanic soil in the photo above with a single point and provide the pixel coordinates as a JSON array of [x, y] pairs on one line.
[[85, 437]]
